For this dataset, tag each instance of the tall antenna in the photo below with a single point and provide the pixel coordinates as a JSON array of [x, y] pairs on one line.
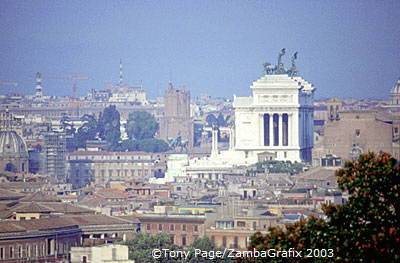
[[120, 72]]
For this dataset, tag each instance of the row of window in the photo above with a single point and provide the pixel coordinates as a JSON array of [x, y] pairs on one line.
[[105, 157], [132, 172], [225, 242], [234, 244], [102, 173], [172, 227], [33, 250], [183, 239]]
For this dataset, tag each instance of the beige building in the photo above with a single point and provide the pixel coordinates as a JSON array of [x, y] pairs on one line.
[[351, 133], [110, 253], [177, 121], [102, 167], [182, 229], [236, 232]]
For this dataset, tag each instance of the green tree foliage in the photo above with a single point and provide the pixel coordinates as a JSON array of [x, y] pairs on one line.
[[146, 145], [198, 129], [364, 229], [129, 145], [141, 125], [205, 244], [109, 127], [88, 131], [141, 128], [211, 120], [141, 246], [66, 125], [152, 145], [221, 120]]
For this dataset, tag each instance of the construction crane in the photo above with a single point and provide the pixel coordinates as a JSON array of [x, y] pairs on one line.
[[74, 81], [4, 83]]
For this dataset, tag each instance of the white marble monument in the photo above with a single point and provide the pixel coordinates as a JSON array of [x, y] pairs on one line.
[[277, 118]]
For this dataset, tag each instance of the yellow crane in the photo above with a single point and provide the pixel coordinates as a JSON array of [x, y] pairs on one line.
[[74, 80]]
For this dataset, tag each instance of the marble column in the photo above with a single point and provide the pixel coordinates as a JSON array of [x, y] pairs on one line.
[[290, 128], [271, 129], [261, 129], [280, 129]]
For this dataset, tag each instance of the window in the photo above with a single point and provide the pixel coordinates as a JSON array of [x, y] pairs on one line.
[[11, 254], [172, 238], [241, 223], [224, 241], [235, 242], [183, 240], [29, 251], [160, 227], [183, 227], [172, 227], [358, 132], [148, 227], [84, 259], [2, 253], [196, 228]]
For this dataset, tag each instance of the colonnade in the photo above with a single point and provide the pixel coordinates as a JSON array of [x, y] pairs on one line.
[[276, 129]]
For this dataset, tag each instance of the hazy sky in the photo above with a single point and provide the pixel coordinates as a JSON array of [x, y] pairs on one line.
[[346, 48]]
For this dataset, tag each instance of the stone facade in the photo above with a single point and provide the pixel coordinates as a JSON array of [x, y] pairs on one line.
[[278, 118], [182, 229], [42, 240], [354, 133], [236, 232], [102, 167], [177, 120], [110, 253]]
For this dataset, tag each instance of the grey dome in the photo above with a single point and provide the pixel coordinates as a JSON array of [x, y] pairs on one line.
[[12, 145]]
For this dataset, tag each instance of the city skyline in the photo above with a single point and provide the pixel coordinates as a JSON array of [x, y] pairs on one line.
[[346, 49]]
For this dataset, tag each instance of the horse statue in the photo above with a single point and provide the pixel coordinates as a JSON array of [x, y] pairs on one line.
[[268, 68], [177, 142]]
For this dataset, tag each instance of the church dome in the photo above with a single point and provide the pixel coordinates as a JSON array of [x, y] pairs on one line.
[[396, 88], [12, 145]]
